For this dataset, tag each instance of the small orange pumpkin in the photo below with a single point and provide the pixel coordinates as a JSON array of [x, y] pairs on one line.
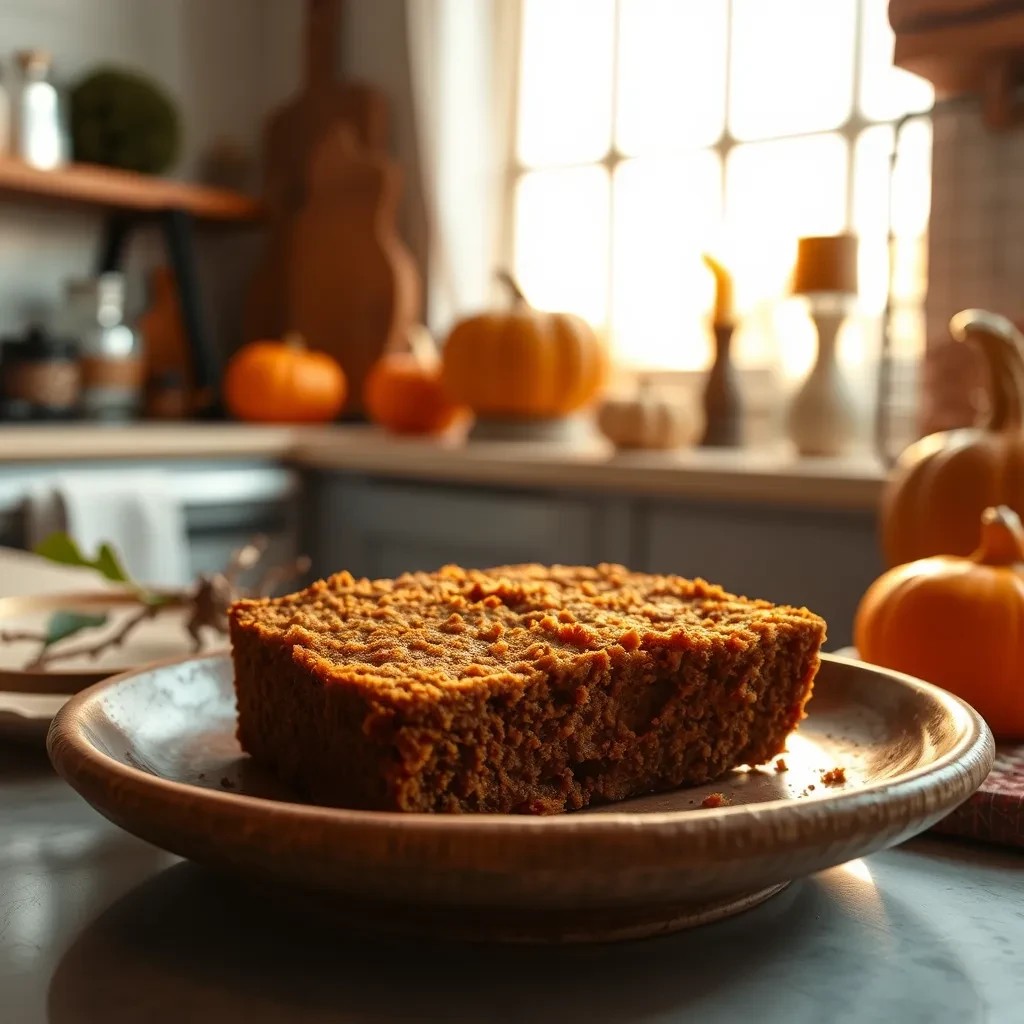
[[524, 364], [403, 391], [942, 483], [284, 382], [957, 622]]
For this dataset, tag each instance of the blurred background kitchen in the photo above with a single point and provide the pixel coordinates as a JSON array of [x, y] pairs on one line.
[[245, 247]]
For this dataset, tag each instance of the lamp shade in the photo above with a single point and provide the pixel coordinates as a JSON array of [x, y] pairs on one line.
[[826, 264]]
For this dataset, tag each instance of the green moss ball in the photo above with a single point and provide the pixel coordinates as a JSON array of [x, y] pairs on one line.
[[123, 119]]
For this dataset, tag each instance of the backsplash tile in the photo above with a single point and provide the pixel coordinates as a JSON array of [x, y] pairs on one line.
[[975, 251]]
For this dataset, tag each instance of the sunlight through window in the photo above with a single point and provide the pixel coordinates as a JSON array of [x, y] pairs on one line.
[[650, 131]]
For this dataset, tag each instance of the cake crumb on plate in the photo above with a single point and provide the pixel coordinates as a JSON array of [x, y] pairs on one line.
[[715, 800]]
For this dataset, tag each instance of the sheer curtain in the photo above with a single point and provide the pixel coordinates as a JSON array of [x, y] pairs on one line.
[[462, 56]]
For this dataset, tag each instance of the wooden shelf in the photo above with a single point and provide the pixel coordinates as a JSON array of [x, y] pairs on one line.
[[91, 185]]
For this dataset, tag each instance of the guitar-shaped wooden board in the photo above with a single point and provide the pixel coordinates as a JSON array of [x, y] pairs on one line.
[[290, 138], [354, 289]]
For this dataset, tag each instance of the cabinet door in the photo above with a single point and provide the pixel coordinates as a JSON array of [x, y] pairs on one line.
[[818, 558], [381, 528]]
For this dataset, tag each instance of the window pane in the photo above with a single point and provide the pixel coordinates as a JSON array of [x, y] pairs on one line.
[[886, 93], [792, 186], [565, 85], [665, 213], [562, 221], [791, 66], [909, 272], [907, 328], [911, 186], [671, 73]]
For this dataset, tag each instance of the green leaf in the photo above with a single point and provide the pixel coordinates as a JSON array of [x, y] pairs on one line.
[[61, 548], [64, 624], [107, 563]]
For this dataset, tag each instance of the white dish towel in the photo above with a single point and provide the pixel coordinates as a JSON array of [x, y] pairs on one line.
[[138, 513]]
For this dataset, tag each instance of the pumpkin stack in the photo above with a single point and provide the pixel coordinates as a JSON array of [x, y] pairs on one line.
[[951, 610], [523, 365]]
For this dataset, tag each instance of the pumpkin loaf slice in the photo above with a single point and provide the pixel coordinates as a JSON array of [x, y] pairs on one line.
[[522, 689]]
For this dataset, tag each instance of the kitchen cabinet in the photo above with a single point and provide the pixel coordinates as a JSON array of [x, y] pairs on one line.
[[377, 528]]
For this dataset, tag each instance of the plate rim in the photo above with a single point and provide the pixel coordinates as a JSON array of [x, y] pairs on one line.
[[960, 770]]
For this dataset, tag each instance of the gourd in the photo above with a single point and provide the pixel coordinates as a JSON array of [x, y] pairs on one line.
[[284, 382], [403, 391], [523, 363], [646, 420], [943, 482], [957, 622]]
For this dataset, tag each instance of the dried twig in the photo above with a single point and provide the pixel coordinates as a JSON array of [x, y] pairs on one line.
[[15, 636], [207, 601], [96, 649]]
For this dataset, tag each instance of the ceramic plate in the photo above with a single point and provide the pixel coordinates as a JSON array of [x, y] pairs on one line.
[[157, 639], [154, 750]]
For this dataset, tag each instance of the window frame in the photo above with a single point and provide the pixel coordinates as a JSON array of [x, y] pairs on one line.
[[849, 131]]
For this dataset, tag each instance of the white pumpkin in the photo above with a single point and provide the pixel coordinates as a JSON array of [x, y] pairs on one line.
[[647, 420]]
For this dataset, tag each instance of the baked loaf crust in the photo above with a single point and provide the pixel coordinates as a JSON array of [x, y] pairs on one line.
[[520, 689]]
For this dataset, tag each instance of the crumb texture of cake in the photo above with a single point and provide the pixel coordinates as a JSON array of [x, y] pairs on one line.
[[518, 689]]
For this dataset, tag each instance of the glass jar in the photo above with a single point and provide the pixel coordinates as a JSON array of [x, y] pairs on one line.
[[113, 369], [40, 131], [41, 377]]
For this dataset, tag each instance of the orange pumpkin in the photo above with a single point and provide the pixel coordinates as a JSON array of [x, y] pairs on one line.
[[283, 382], [957, 622], [524, 364], [403, 391], [942, 483]]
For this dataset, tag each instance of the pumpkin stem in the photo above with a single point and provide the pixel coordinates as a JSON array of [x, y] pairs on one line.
[[294, 340], [1003, 347], [1002, 538], [513, 286], [422, 346]]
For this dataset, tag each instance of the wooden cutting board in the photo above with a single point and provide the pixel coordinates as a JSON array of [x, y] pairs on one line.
[[290, 138], [353, 287], [995, 813]]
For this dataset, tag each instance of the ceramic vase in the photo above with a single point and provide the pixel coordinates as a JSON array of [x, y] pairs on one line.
[[723, 405], [823, 416]]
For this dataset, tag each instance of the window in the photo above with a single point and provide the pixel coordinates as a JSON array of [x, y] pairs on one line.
[[650, 131]]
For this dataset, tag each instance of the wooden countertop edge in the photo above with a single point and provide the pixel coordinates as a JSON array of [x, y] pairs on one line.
[[771, 476]]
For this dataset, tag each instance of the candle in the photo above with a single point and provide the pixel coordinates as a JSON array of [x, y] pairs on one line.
[[725, 311], [826, 264]]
